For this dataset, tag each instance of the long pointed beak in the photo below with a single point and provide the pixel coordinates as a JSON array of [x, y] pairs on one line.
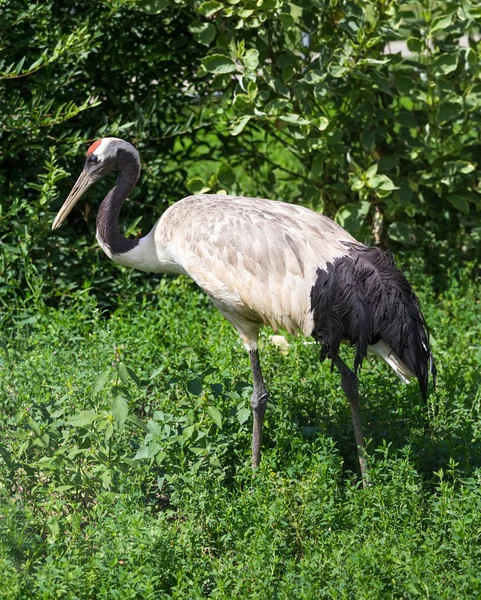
[[82, 185]]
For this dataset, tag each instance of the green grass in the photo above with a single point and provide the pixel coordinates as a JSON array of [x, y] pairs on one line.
[[125, 450]]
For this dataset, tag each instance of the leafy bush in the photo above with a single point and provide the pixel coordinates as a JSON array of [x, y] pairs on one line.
[[303, 102]]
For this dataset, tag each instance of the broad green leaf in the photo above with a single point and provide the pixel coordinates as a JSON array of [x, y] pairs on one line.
[[459, 202], [415, 45], [381, 183], [123, 373], [321, 123], [204, 33], [83, 418], [142, 452], [401, 232], [101, 381], [188, 432], [312, 77], [371, 171], [137, 421], [242, 102], [226, 176], [109, 432], [218, 63], [336, 70], [5, 454], [357, 184], [287, 73], [133, 376], [195, 387], [251, 59], [120, 409], [210, 8], [446, 63], [292, 118], [196, 185], [441, 22], [243, 414], [239, 125], [352, 216], [252, 90], [215, 414], [287, 21]]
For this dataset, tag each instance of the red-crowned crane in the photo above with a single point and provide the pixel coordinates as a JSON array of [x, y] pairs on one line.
[[266, 262]]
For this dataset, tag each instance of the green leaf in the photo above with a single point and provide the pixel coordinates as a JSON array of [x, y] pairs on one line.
[[19, 65], [352, 216], [243, 414], [242, 102], [336, 70], [101, 381], [133, 376], [204, 33], [137, 421], [195, 387], [218, 63], [401, 232], [142, 452], [415, 45], [252, 90], [120, 409], [251, 59], [371, 171], [441, 22], [5, 454], [152, 7], [123, 373], [226, 176], [210, 8], [292, 118], [381, 183], [459, 202], [444, 64], [321, 123], [83, 418], [196, 185], [239, 125], [215, 414]]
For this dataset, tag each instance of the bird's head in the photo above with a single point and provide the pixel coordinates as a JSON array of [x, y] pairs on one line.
[[103, 156]]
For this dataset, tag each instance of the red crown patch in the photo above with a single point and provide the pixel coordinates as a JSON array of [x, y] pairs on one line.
[[93, 147]]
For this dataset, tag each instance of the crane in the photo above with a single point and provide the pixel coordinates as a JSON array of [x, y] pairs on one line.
[[264, 262]]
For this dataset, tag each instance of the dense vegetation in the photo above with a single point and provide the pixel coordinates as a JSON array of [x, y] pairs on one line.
[[126, 452], [125, 421]]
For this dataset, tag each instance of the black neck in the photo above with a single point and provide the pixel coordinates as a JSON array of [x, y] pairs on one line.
[[108, 214]]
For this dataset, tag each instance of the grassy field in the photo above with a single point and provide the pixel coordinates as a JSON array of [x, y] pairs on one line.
[[125, 450]]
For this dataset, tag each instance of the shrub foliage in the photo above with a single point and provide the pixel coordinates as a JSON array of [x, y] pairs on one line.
[[309, 102]]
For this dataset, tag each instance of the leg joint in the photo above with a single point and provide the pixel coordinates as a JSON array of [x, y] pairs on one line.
[[259, 400]]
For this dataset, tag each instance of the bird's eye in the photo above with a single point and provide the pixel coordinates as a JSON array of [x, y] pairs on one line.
[[93, 159]]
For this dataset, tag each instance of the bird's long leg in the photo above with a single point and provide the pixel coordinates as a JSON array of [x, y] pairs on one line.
[[350, 387], [258, 403]]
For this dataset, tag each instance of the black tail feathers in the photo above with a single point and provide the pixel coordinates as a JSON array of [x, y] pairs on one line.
[[363, 298]]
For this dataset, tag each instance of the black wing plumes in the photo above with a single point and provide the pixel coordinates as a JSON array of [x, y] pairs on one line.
[[363, 298]]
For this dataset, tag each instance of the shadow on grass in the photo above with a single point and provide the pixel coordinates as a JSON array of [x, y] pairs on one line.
[[437, 432]]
